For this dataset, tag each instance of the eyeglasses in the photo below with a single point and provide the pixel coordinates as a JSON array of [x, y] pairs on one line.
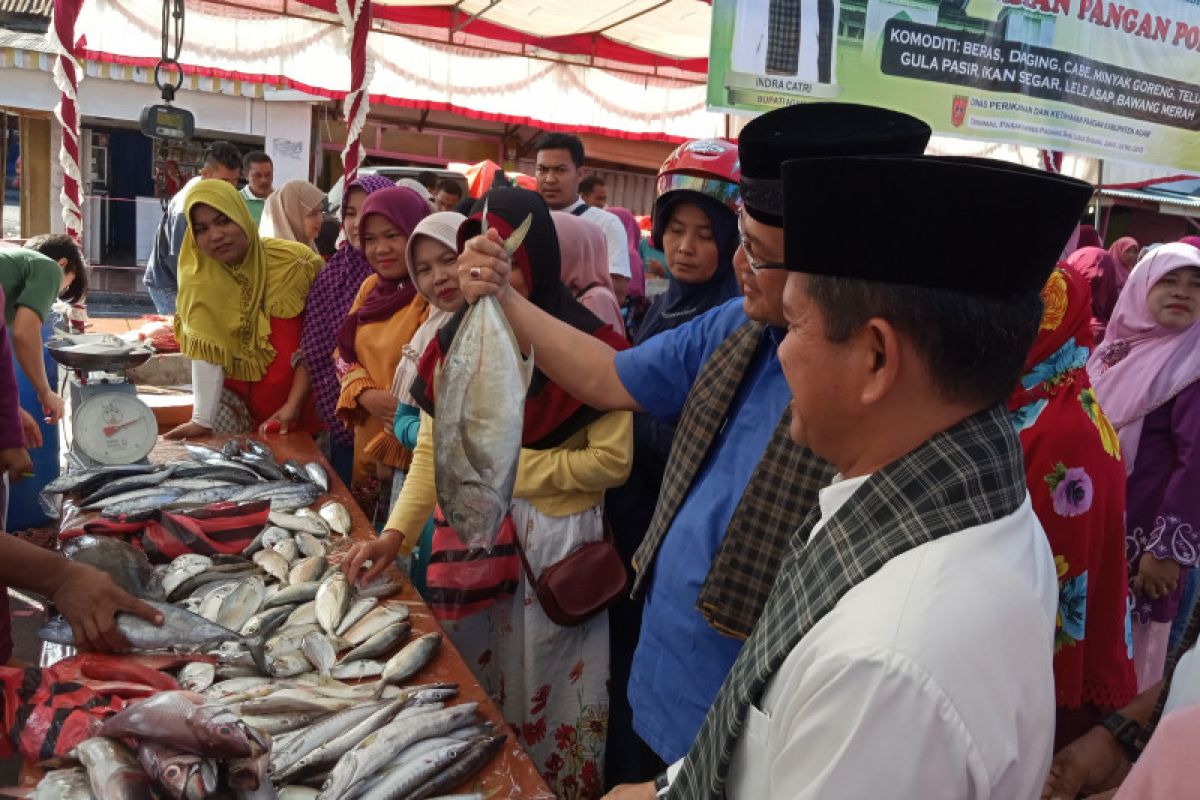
[[755, 266]]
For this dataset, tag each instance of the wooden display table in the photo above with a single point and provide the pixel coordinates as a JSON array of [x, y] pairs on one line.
[[510, 774]]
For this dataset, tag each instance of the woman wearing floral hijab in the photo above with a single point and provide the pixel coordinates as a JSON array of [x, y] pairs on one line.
[[1077, 487], [1145, 376], [383, 318], [328, 304]]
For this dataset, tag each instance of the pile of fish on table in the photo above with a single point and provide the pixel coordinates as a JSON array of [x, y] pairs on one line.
[[272, 714], [243, 470]]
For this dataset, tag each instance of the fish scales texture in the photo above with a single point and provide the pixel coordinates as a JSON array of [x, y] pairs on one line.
[[113, 771], [64, 784], [411, 773], [377, 749], [480, 414], [471, 762]]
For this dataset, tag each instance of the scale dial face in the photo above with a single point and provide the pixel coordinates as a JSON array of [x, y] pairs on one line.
[[114, 428]]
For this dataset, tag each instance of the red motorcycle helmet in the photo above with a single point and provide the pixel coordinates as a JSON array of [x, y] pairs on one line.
[[710, 167]]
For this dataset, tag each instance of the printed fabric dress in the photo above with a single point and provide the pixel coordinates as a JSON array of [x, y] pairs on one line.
[[1077, 488]]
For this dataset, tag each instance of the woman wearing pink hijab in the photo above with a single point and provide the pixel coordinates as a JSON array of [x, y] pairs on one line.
[[585, 267], [1146, 379], [1125, 252]]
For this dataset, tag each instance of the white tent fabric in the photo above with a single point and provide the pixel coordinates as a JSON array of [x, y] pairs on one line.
[[674, 28], [311, 55]]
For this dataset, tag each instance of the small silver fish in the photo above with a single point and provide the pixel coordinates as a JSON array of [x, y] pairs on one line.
[[337, 516], [410, 660], [359, 608], [308, 569], [310, 545], [273, 564], [333, 598], [303, 520], [242, 603], [319, 652], [382, 642], [197, 676], [317, 474]]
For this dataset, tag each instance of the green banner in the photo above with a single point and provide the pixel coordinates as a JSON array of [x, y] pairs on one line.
[[1094, 77]]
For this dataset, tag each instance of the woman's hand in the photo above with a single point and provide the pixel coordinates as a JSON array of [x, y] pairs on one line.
[[379, 404], [16, 462], [188, 430], [53, 406], [1155, 577], [1092, 763], [281, 421], [30, 430], [483, 267], [380, 553]]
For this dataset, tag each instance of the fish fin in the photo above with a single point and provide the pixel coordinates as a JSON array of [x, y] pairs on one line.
[[255, 645], [513, 242], [526, 366]]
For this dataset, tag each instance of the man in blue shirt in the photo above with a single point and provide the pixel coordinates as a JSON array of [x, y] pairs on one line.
[[222, 161], [735, 487]]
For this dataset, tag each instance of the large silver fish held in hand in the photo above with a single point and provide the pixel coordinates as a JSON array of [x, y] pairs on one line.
[[480, 395]]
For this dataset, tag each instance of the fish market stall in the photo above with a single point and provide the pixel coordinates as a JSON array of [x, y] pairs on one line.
[[286, 676]]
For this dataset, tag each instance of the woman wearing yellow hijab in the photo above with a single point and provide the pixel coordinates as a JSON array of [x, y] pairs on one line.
[[238, 317]]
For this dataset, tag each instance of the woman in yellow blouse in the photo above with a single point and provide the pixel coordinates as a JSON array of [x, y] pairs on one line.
[[550, 681]]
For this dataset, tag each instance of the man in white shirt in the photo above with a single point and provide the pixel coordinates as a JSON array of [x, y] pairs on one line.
[[559, 159], [906, 648]]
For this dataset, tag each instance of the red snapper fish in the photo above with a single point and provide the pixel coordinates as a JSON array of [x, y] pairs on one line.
[[181, 719]]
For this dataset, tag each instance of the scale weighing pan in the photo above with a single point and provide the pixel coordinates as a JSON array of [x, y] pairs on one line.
[[96, 356]]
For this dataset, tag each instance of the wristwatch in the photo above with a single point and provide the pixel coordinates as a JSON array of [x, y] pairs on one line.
[[1126, 732], [662, 785]]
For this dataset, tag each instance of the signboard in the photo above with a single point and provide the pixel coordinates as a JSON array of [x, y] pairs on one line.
[[1109, 78]]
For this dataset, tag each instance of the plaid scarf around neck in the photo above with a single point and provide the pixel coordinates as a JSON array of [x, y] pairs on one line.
[[967, 476], [781, 492]]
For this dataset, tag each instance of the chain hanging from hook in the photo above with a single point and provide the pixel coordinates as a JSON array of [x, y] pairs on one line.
[[172, 44]]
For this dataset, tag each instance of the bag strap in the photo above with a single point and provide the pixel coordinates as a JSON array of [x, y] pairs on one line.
[[580, 210], [533, 579], [524, 561]]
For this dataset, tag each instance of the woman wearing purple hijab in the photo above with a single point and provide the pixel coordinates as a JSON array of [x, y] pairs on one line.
[[385, 314], [634, 305], [1147, 379], [328, 303]]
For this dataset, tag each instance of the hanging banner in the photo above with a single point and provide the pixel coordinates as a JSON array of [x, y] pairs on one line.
[[1098, 77]]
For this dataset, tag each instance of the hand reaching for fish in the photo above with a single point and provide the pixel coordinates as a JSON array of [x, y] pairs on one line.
[[188, 430], [90, 600], [483, 267], [380, 553]]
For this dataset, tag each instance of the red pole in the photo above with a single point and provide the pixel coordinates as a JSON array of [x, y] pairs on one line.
[[357, 20]]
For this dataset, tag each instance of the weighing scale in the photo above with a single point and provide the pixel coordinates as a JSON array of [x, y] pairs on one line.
[[109, 424]]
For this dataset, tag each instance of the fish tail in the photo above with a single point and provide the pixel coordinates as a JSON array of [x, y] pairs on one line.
[[256, 646]]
